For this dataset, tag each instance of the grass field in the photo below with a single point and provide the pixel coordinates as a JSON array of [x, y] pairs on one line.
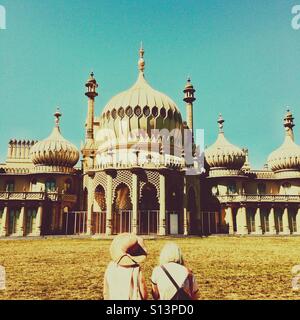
[[225, 267]]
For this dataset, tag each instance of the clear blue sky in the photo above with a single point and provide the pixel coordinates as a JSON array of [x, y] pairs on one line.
[[243, 57]]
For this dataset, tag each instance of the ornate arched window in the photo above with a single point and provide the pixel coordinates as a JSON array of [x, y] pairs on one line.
[[261, 188], [50, 185], [231, 188], [100, 198], [10, 186], [122, 197], [148, 199]]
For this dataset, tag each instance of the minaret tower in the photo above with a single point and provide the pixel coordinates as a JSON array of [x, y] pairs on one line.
[[289, 124], [189, 98], [91, 94]]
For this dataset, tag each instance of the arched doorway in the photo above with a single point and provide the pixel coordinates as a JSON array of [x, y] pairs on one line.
[[149, 210], [99, 212], [122, 208]]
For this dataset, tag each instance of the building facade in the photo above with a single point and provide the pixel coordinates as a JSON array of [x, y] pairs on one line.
[[141, 172]]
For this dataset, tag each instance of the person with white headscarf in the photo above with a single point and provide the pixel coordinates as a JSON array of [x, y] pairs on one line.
[[172, 280]]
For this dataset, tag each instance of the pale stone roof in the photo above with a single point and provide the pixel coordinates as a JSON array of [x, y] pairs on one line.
[[141, 94]]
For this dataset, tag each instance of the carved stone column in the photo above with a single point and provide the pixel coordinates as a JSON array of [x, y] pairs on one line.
[[272, 226], [38, 223], [242, 227], [285, 221], [162, 204], [257, 219], [298, 221], [135, 201], [3, 230], [185, 212], [109, 199], [20, 222], [229, 219], [90, 201]]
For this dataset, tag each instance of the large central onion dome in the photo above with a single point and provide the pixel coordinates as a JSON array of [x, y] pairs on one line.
[[287, 156], [54, 153], [140, 108], [224, 155]]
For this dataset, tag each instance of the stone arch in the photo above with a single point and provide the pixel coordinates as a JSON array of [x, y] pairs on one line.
[[122, 197], [149, 197], [99, 210], [122, 206], [99, 196], [151, 177], [122, 176], [149, 207]]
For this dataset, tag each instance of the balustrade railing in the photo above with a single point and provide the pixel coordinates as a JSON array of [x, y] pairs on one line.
[[54, 196], [259, 198]]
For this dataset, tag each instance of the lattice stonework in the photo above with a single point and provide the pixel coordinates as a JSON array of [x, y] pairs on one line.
[[151, 177], [123, 176], [100, 179]]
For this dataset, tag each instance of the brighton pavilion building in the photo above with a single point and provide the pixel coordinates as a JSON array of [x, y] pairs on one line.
[[141, 171]]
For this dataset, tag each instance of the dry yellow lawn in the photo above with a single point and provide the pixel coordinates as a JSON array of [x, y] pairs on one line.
[[225, 267]]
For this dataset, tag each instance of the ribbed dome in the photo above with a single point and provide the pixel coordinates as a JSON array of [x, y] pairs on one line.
[[140, 108], [287, 156], [54, 150], [143, 95], [223, 154]]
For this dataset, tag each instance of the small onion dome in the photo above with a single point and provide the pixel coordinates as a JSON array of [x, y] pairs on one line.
[[55, 150], [287, 156], [223, 154]]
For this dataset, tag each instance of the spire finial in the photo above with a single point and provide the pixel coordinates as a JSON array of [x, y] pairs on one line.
[[141, 62], [57, 115], [221, 123]]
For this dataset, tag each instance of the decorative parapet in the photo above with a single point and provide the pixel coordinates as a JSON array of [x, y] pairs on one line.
[[258, 198], [38, 169], [284, 174], [53, 169], [169, 162], [222, 172], [287, 174], [14, 170], [261, 174]]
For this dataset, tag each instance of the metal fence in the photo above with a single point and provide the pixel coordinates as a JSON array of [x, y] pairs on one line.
[[211, 223], [75, 222], [148, 221]]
